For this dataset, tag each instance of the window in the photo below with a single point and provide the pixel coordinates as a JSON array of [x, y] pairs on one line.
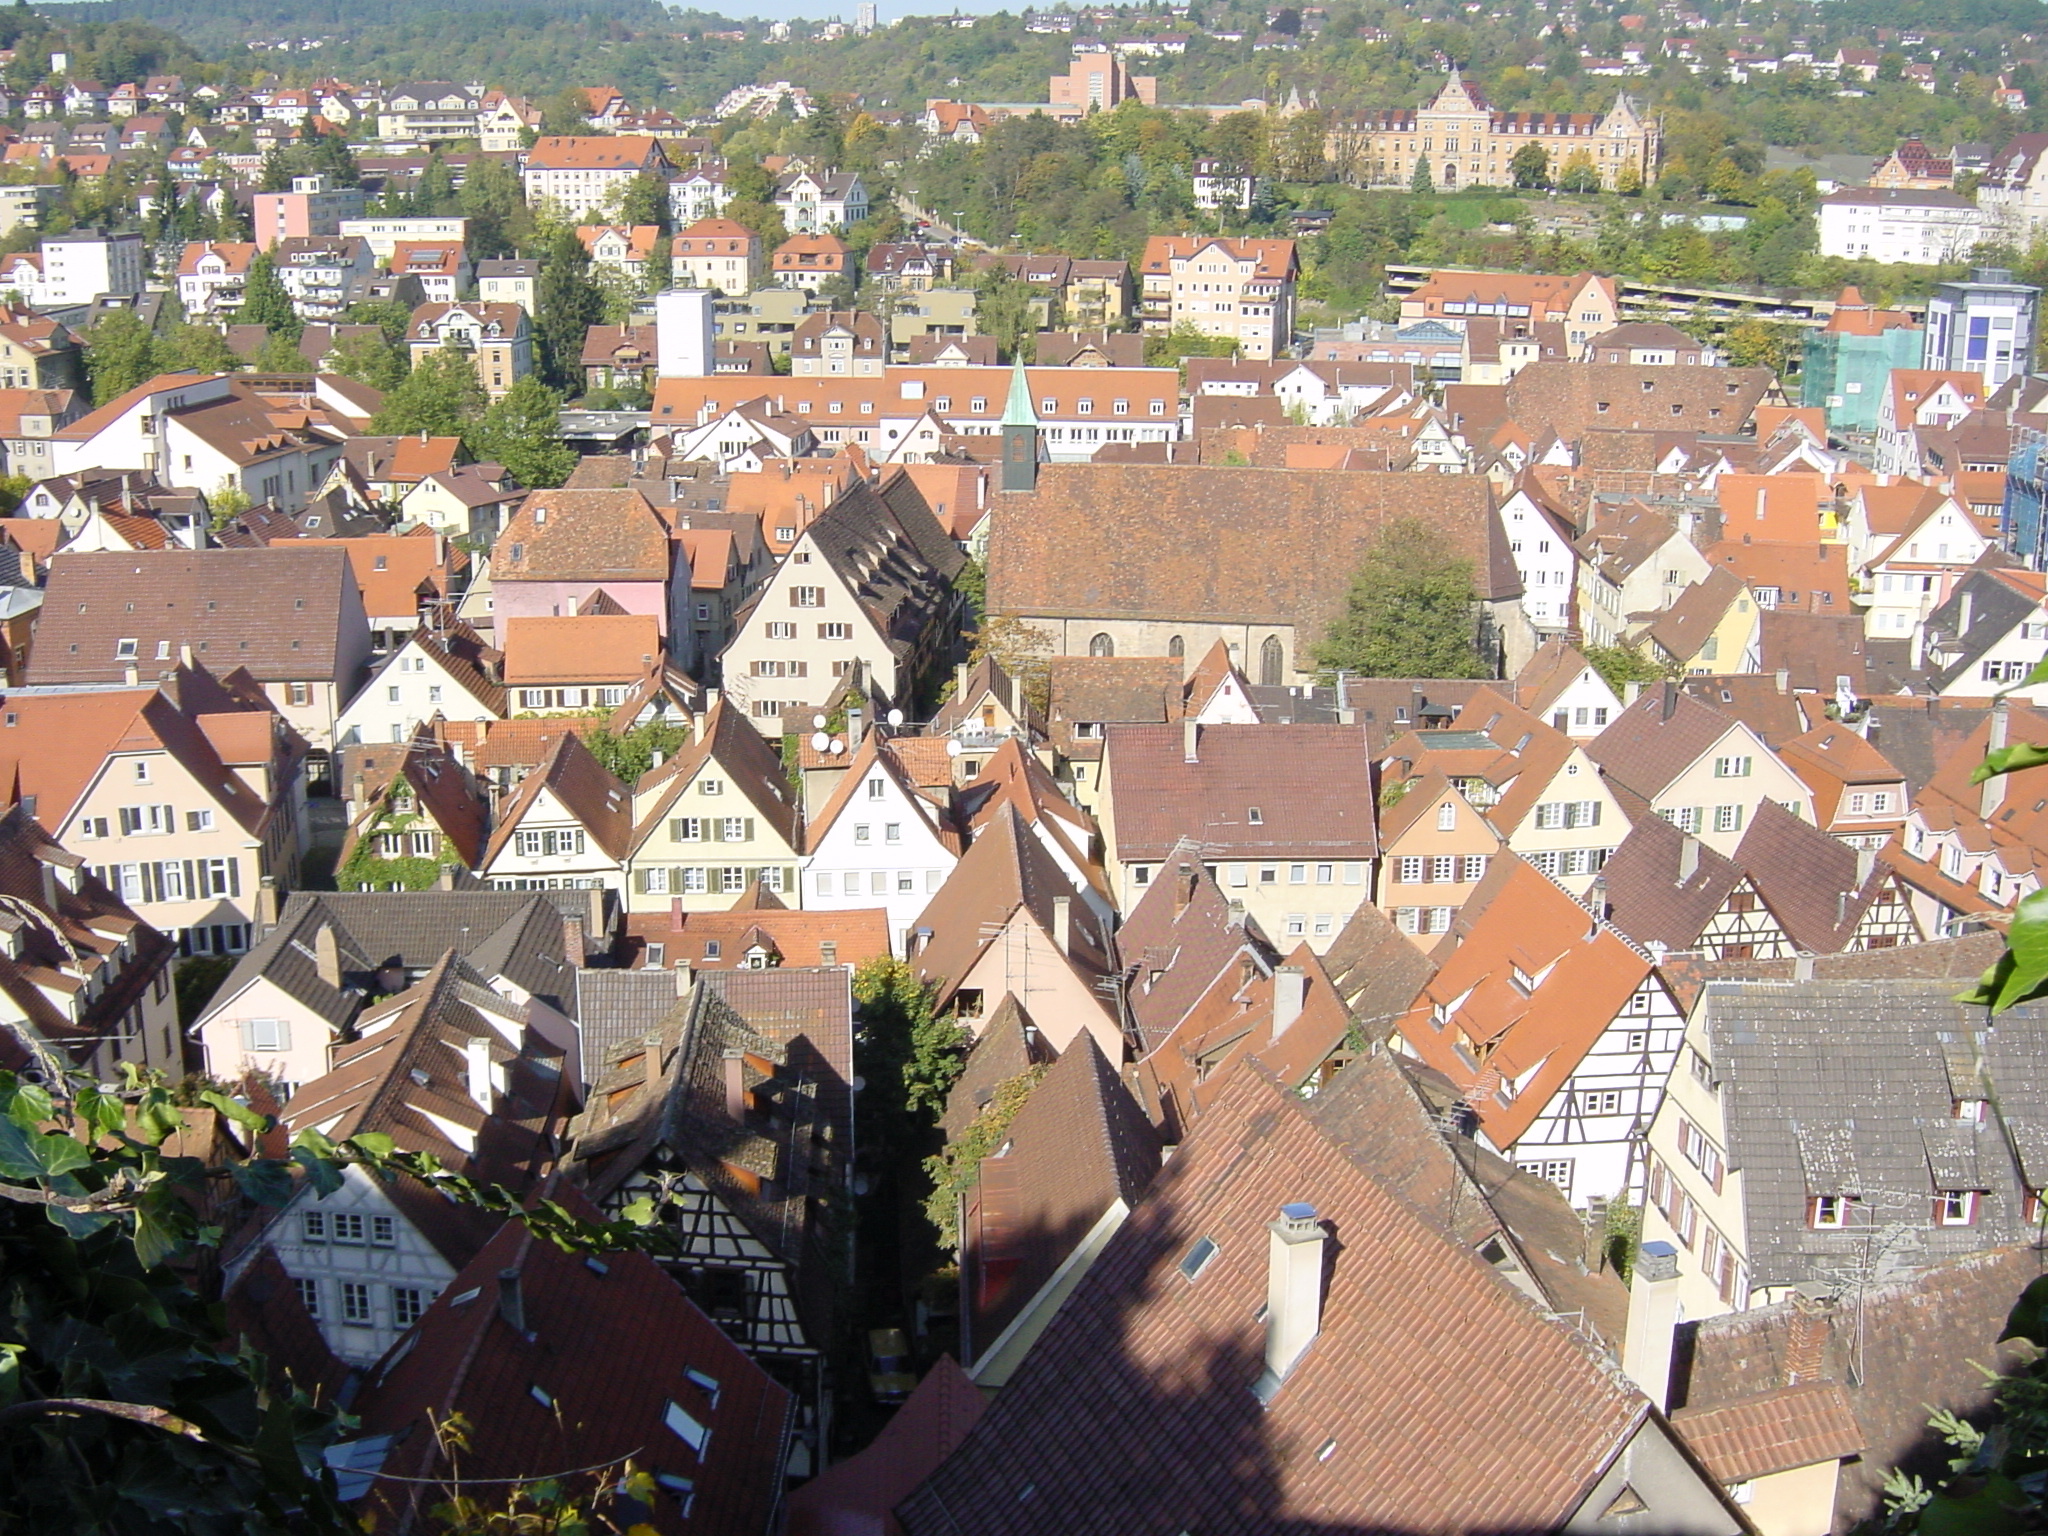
[[1443, 869], [711, 786], [1728, 818], [732, 829], [1101, 645], [1297, 874], [1731, 767], [383, 1231], [1197, 1258], [313, 1226], [806, 597], [348, 1227], [142, 772], [267, 1035], [1700, 1152], [309, 1296], [835, 631], [124, 650], [1297, 925], [781, 631], [1604, 1101], [685, 829], [406, 1305], [696, 882], [355, 1302], [1447, 816], [1472, 867], [1828, 1213], [1955, 1208], [686, 1428], [301, 694], [732, 880], [1558, 1170]]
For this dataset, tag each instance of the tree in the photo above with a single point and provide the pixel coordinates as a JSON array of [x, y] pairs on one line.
[[1421, 181], [570, 304], [120, 353], [265, 301], [1580, 174], [522, 430], [565, 113], [645, 201], [121, 1409], [1410, 611], [369, 359], [440, 397], [276, 175], [1620, 665], [628, 757], [1020, 649], [280, 354], [1002, 308], [659, 275], [198, 347], [1530, 166], [388, 315]]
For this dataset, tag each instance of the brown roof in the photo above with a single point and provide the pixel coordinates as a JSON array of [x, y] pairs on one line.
[[582, 536], [1177, 939], [1898, 1348], [1008, 1046], [1453, 1404], [585, 788], [1751, 1437], [853, 1497], [1657, 738], [1681, 629], [1171, 542], [393, 571], [608, 1351], [1817, 886], [794, 938], [1311, 785], [1571, 398], [743, 755], [1813, 649], [1649, 900], [580, 648], [1079, 1144], [283, 612]]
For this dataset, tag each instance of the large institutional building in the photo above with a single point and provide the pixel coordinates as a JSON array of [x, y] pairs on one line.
[[1466, 143]]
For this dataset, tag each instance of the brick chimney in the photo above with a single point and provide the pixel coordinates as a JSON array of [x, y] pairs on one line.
[[1806, 1341]]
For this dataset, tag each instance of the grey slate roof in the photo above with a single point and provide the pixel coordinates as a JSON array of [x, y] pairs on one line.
[[1849, 1088], [613, 1007]]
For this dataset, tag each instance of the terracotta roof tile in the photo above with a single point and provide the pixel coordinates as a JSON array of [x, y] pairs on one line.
[[1311, 785]]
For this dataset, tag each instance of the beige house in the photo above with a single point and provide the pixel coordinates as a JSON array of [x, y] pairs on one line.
[[1237, 290], [1701, 770], [717, 253], [567, 827], [186, 804], [497, 338], [715, 822]]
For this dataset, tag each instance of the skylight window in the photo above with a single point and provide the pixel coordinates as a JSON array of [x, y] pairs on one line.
[[1198, 1258], [686, 1428]]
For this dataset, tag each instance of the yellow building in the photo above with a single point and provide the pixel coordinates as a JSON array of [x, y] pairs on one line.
[[1466, 143]]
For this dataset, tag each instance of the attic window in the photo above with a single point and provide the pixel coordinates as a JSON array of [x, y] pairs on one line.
[[686, 1428], [124, 650], [707, 1382], [1197, 1258], [298, 602], [540, 1395], [1255, 816]]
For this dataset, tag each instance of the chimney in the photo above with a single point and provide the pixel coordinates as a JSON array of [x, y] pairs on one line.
[[1294, 1288], [1630, 692], [856, 728], [1688, 857], [650, 1060], [1992, 792], [1966, 600], [1185, 879], [327, 956], [960, 683], [512, 1301], [1806, 1341], [1290, 989], [735, 1064], [1063, 924], [1346, 715], [445, 880], [1190, 734], [1866, 861], [1784, 680], [1652, 1321], [132, 675], [1670, 701], [476, 1055]]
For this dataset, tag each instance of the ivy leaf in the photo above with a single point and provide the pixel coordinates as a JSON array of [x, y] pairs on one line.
[[10, 1374], [236, 1110], [18, 1158], [2021, 754], [264, 1181], [2038, 675], [373, 1144], [31, 1106], [60, 1155], [158, 1119], [2029, 1316], [155, 1241], [1995, 1506], [639, 1211], [2027, 946], [321, 1172]]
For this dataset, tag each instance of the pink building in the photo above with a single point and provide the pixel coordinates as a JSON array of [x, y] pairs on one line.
[[310, 208], [563, 548]]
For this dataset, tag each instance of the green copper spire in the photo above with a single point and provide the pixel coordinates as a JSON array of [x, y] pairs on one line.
[[1017, 410]]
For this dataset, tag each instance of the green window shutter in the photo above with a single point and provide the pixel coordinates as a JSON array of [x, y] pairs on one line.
[[749, 834], [640, 881]]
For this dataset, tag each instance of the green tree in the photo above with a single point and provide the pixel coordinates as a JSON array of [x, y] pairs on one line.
[[1529, 166], [645, 201], [1421, 182], [440, 397], [913, 1056], [570, 304], [280, 354], [659, 275], [369, 359], [1410, 611], [276, 175], [265, 301], [198, 347], [388, 315], [1579, 174], [120, 353], [564, 113], [522, 430]]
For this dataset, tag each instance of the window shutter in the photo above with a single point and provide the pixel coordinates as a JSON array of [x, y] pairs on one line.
[[675, 829], [248, 1035], [284, 1034], [1589, 813], [640, 881], [675, 881], [749, 835], [234, 877], [149, 882], [192, 890]]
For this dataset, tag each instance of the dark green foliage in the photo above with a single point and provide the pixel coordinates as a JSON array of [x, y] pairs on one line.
[[265, 301], [570, 304], [120, 1408], [197, 978], [120, 353], [907, 1057], [198, 347], [522, 430], [370, 359], [1410, 611], [631, 755], [440, 397]]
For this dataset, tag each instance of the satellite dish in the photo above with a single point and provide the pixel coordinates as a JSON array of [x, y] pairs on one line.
[[820, 742], [838, 746], [952, 748], [895, 717], [817, 722]]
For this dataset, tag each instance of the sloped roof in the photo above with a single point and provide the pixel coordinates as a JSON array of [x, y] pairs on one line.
[[584, 787], [1657, 738], [1648, 896], [1534, 1418], [1177, 939], [582, 536]]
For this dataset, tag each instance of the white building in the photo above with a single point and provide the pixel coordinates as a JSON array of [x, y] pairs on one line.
[[876, 843], [1891, 224], [1549, 565], [83, 265]]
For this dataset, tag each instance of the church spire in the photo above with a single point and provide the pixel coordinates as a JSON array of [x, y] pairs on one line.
[[1020, 434]]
